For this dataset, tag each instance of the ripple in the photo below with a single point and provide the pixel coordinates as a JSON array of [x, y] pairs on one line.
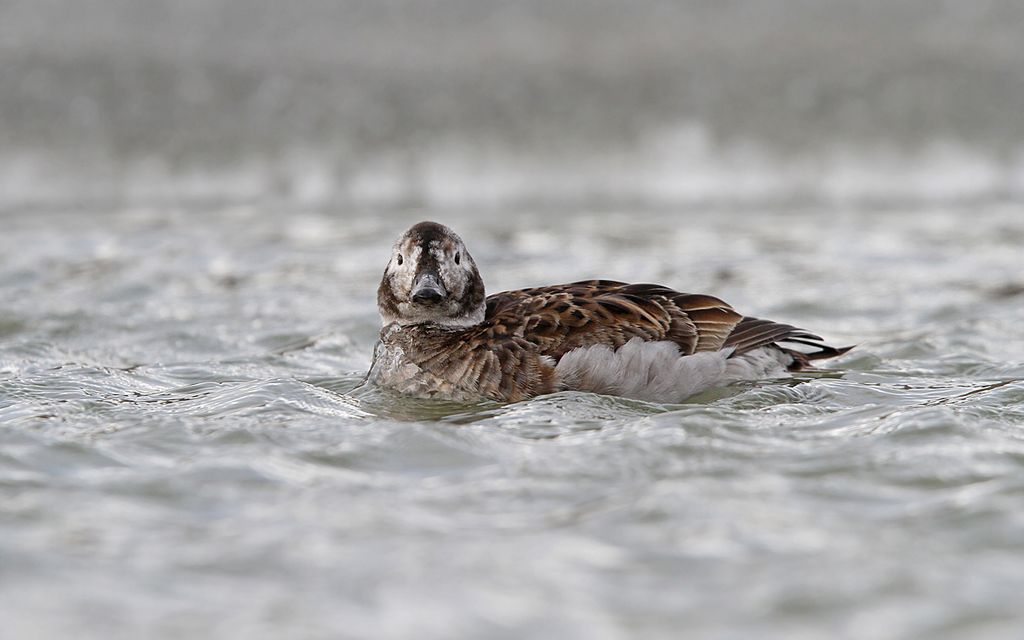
[[184, 428]]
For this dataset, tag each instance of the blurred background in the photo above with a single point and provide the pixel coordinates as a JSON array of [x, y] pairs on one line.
[[492, 103], [197, 199]]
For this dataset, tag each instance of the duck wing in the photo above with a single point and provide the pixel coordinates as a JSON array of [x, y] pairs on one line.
[[560, 318]]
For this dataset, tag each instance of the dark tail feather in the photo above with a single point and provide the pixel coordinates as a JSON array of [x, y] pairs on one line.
[[753, 333], [802, 359]]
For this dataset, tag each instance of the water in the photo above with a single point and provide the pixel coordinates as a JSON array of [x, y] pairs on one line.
[[185, 450], [197, 199], [468, 102]]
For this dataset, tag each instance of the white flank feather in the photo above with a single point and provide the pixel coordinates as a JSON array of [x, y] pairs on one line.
[[653, 371], [766, 362]]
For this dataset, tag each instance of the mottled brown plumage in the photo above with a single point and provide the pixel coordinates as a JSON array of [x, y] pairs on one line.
[[455, 344]]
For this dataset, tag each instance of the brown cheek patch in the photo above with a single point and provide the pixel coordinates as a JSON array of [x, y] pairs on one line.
[[386, 301]]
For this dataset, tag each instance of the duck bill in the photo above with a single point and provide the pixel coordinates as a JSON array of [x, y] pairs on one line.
[[427, 289]]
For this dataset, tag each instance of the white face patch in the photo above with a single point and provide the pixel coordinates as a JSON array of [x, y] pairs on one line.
[[402, 275], [454, 276]]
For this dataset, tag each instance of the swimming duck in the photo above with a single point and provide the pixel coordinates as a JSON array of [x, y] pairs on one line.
[[444, 338]]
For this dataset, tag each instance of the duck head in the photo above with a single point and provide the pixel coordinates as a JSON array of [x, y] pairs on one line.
[[431, 278]]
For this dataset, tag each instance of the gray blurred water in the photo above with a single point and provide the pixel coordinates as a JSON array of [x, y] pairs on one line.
[[457, 102], [184, 450], [196, 203]]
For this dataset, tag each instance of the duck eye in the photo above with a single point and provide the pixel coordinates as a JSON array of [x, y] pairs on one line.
[[400, 260], [458, 258]]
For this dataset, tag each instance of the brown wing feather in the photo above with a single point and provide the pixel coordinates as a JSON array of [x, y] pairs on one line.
[[561, 318], [752, 333], [714, 319]]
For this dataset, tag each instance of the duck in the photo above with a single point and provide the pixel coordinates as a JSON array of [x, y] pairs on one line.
[[443, 338]]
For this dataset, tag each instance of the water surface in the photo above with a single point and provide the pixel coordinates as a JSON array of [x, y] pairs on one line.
[[186, 449], [197, 199]]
